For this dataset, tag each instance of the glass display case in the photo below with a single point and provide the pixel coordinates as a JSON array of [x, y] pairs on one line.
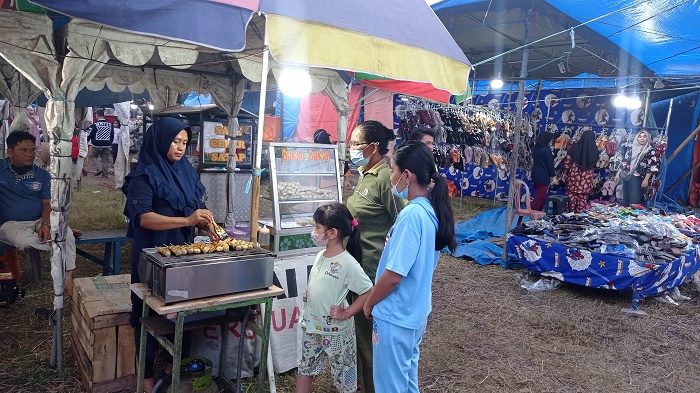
[[302, 177]]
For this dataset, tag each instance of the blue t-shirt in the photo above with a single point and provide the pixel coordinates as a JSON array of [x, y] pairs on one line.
[[21, 197], [410, 252]]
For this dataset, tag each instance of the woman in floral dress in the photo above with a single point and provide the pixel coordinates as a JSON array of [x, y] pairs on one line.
[[578, 171], [639, 164]]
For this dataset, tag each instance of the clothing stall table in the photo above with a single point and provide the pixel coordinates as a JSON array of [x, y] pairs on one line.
[[596, 270], [159, 326]]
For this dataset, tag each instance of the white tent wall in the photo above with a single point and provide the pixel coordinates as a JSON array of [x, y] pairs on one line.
[[32, 53], [16, 88], [338, 92], [4, 125], [60, 78], [229, 98], [121, 164]]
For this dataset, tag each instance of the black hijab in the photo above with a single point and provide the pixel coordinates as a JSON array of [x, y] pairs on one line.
[[585, 152], [177, 182], [543, 139]]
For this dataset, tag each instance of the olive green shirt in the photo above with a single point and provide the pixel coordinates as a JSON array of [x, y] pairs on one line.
[[375, 208]]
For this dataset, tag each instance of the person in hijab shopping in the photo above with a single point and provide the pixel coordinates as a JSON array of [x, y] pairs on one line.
[[638, 166], [543, 173], [578, 171], [163, 206], [375, 208]]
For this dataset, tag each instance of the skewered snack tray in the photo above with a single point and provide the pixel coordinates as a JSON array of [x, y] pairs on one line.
[[206, 248], [297, 191]]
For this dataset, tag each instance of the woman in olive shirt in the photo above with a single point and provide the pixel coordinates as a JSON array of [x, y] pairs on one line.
[[375, 209]]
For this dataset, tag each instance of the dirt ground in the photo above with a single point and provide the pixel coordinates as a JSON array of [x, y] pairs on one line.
[[485, 334]]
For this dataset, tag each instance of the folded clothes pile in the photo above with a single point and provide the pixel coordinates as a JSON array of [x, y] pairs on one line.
[[631, 233]]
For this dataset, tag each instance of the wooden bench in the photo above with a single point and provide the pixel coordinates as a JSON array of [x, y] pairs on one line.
[[113, 241], [110, 262]]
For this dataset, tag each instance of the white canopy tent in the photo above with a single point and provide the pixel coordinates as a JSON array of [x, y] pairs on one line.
[[96, 56]]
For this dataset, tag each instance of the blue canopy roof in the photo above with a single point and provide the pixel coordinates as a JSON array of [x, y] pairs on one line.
[[662, 35]]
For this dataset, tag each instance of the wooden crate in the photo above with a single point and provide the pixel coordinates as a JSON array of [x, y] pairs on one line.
[[102, 339]]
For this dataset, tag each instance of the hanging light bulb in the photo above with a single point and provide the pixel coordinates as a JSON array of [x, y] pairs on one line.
[[151, 107], [620, 101], [133, 106], [633, 103], [496, 83], [295, 82]]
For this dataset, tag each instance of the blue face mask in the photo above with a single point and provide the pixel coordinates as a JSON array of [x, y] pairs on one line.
[[403, 194], [357, 156]]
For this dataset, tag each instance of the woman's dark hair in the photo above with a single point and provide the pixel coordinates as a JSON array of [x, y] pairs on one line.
[[417, 158], [336, 215], [374, 131], [16, 137], [418, 133], [117, 120]]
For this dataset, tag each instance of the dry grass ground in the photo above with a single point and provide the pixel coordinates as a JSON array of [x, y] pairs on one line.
[[485, 334]]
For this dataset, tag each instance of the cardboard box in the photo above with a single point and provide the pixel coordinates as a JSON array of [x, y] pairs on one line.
[[102, 339]]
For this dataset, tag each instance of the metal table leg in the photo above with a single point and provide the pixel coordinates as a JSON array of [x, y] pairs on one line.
[[107, 257], [224, 348], [177, 351], [116, 261], [142, 351], [267, 322]]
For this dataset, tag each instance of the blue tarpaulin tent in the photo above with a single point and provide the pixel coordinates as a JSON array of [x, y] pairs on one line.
[[627, 46]]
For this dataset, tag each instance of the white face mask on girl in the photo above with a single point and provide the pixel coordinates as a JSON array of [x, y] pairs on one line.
[[318, 238]]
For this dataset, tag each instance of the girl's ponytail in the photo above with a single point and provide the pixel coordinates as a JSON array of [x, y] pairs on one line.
[[440, 200], [418, 158]]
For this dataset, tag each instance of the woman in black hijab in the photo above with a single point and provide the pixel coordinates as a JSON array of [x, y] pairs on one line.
[[578, 171], [543, 173], [163, 206]]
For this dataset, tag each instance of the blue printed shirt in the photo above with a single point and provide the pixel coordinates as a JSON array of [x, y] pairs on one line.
[[410, 252], [21, 196]]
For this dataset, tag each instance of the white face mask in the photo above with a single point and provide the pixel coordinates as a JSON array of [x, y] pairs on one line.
[[319, 238]]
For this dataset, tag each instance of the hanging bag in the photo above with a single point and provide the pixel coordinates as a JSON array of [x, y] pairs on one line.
[[650, 191]]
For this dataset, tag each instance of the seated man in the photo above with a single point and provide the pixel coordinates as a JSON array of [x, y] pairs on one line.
[[25, 199]]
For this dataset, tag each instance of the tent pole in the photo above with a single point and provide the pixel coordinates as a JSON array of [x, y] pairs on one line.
[[647, 107], [668, 117], [255, 194], [513, 164]]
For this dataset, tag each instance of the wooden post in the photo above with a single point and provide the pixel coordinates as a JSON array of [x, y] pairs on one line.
[[257, 164]]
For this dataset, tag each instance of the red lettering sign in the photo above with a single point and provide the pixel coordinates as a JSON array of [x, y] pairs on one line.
[[281, 324], [314, 155]]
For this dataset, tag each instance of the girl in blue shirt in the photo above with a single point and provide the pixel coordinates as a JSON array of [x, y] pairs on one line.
[[400, 301]]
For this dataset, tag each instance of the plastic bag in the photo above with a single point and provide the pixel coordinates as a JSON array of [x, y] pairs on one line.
[[540, 285]]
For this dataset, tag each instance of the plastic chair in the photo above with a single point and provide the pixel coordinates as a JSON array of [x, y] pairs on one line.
[[526, 211]]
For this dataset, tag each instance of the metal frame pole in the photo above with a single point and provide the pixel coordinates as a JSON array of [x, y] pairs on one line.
[[512, 198]]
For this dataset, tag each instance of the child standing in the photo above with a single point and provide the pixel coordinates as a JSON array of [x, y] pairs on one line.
[[401, 300], [327, 325]]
